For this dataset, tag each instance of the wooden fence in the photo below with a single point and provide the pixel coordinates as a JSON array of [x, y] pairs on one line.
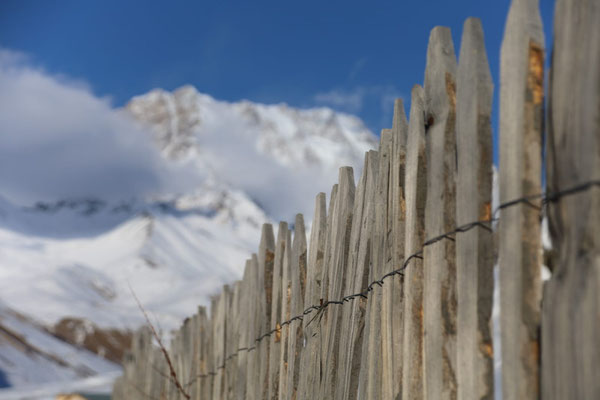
[[391, 297]]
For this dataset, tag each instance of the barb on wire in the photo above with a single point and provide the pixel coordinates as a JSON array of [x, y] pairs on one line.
[[484, 224]]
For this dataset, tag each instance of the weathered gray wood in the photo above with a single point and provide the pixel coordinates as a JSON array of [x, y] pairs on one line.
[[341, 226], [232, 339], [571, 303], [275, 351], [183, 354], [392, 291], [328, 249], [246, 336], [219, 308], [416, 193], [310, 361], [286, 313], [254, 331], [202, 385], [474, 252], [521, 115], [298, 285], [173, 348], [266, 257], [207, 383], [319, 320], [194, 350], [371, 368], [138, 371], [439, 262], [353, 316]]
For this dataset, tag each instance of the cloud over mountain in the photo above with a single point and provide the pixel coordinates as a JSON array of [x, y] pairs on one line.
[[60, 140]]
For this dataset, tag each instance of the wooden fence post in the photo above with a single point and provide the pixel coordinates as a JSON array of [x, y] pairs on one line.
[[341, 224], [298, 285], [571, 303], [371, 365], [321, 317], [392, 306], [208, 354], [521, 116], [266, 257], [217, 318], [233, 338], [185, 356], [253, 360], [278, 295], [310, 360], [474, 252], [286, 313], [203, 384], [439, 258], [416, 193], [359, 258], [246, 334]]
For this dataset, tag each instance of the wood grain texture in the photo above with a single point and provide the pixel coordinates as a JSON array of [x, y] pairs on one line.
[[571, 305], [370, 384], [341, 224], [219, 308], [474, 252], [286, 314], [297, 289], [392, 306], [266, 258], [353, 315], [439, 262], [310, 361], [276, 306], [415, 185], [245, 330], [521, 116], [253, 361]]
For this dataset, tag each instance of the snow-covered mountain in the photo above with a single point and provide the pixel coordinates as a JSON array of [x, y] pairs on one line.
[[80, 259], [277, 155], [186, 120]]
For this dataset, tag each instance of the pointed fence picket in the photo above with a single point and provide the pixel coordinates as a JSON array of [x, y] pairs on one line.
[[474, 252]]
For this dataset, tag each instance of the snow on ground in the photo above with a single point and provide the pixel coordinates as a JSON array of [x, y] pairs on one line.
[[30, 356], [172, 259]]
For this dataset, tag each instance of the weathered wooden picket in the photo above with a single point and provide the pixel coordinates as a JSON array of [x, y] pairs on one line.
[[392, 297]]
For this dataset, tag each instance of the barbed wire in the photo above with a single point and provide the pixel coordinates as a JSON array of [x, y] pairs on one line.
[[484, 224]]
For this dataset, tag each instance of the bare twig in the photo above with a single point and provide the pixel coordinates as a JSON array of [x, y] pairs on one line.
[[162, 347]]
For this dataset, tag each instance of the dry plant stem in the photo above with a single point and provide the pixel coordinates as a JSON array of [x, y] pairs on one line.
[[162, 347]]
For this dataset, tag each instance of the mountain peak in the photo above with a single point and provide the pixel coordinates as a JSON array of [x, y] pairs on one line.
[[185, 118]]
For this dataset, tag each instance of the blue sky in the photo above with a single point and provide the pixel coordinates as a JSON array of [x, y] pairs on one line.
[[350, 55]]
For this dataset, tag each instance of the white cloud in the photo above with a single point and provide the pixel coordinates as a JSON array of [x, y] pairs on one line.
[[229, 146], [57, 140], [350, 101], [358, 98]]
